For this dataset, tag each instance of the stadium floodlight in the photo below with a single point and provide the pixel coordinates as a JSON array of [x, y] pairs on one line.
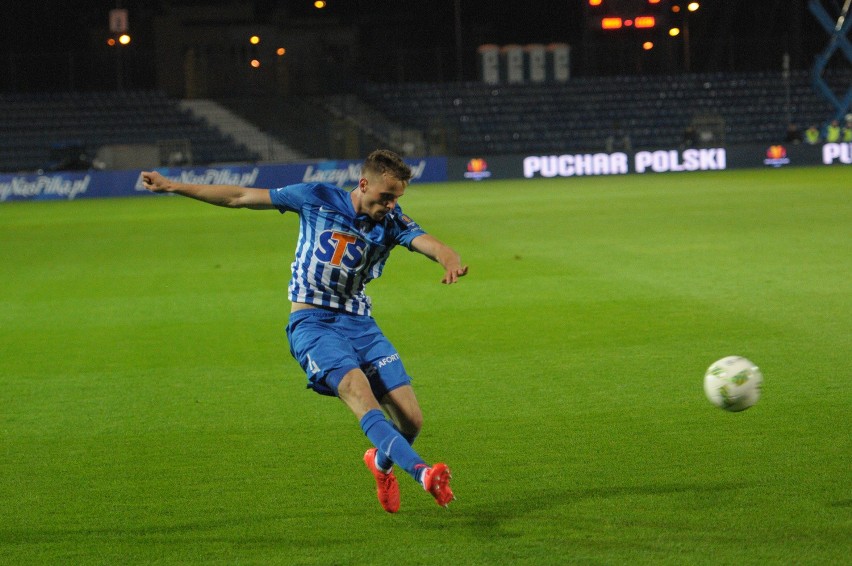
[[693, 6], [124, 39]]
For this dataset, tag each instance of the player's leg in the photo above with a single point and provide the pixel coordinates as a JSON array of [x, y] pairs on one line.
[[330, 347], [355, 391], [391, 383], [402, 407], [322, 342], [404, 410]]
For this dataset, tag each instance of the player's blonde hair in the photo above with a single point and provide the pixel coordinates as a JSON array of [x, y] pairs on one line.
[[386, 161]]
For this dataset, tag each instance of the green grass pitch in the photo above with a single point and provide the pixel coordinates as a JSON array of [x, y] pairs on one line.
[[150, 412]]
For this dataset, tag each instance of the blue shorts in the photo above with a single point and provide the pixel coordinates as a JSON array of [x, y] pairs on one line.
[[329, 344]]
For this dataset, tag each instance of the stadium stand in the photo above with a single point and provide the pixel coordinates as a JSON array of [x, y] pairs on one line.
[[462, 118], [267, 147], [579, 115], [35, 129], [300, 122]]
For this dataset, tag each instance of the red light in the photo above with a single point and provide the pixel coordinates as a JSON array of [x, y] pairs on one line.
[[644, 21], [611, 23]]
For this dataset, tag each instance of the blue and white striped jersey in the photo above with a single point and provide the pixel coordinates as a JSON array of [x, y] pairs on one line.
[[338, 252]]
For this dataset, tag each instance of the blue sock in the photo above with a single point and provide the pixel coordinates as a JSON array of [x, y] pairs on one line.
[[383, 461], [391, 443]]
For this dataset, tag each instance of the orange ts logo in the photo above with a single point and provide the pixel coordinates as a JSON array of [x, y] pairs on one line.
[[340, 249]]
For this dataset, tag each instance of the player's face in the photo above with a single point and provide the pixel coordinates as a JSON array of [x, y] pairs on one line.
[[380, 194]]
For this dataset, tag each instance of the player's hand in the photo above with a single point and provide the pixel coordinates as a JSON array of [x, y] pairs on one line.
[[452, 275], [154, 182]]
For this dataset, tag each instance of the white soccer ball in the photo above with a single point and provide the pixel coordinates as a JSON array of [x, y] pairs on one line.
[[733, 383]]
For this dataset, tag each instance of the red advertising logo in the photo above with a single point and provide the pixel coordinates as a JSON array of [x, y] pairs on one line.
[[776, 156], [477, 169]]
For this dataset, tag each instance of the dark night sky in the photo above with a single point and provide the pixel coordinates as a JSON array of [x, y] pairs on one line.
[[724, 33]]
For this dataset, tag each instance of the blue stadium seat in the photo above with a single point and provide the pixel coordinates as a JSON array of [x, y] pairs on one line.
[[578, 115], [31, 124]]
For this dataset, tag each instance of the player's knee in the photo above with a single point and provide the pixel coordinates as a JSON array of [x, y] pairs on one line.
[[354, 390], [352, 384]]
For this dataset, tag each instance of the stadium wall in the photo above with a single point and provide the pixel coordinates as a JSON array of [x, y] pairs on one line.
[[97, 184]]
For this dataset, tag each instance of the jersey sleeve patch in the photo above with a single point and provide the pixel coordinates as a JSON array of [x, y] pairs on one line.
[[409, 229]]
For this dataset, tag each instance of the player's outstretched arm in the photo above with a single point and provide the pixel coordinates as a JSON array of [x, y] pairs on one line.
[[436, 250], [231, 196]]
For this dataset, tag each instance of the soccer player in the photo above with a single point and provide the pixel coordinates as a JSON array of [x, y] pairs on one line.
[[345, 238]]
